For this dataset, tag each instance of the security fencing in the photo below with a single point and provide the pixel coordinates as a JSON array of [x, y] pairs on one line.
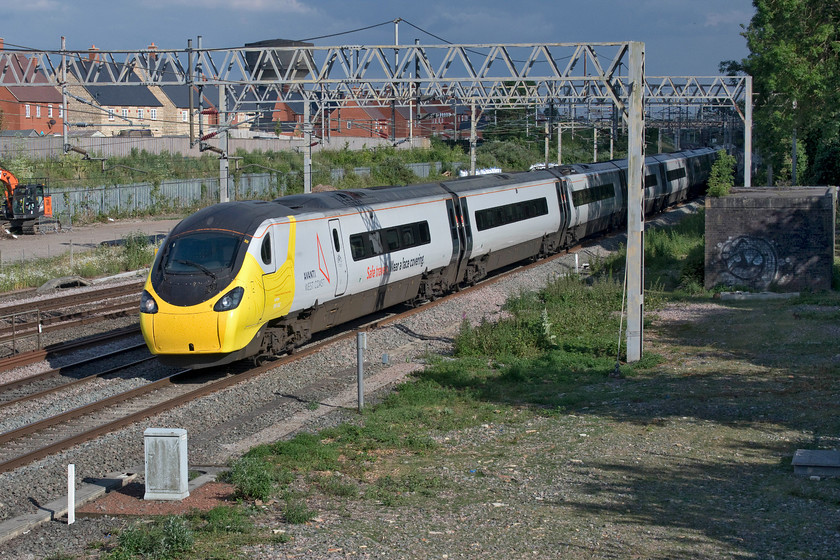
[[86, 204]]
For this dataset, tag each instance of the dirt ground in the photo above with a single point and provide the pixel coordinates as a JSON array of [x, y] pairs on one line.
[[77, 238]]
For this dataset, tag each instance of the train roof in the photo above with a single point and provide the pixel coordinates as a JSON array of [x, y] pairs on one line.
[[491, 180], [356, 198], [240, 217]]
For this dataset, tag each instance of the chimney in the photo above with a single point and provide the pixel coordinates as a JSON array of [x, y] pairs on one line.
[[152, 52], [2, 45], [93, 55]]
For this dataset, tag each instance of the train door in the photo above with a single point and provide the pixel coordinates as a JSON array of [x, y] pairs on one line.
[[268, 263], [337, 243], [563, 205], [454, 231], [579, 213], [467, 227]]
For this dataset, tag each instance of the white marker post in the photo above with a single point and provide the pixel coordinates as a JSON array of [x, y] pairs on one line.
[[71, 494], [361, 344]]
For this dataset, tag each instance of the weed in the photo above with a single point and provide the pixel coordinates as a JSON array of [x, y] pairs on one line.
[[335, 486], [253, 477], [221, 519], [161, 539], [296, 512]]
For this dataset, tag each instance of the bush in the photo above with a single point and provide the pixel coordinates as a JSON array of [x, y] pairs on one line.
[[722, 176]]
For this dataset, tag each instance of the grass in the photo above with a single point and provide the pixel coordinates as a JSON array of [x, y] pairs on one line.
[[132, 253]]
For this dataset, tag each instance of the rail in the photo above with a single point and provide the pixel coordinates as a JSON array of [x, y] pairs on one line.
[[16, 336]]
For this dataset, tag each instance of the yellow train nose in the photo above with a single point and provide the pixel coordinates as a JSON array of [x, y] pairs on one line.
[[185, 333]]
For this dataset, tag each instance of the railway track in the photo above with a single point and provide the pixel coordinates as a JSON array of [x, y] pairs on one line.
[[39, 439], [77, 373], [35, 356], [25, 326]]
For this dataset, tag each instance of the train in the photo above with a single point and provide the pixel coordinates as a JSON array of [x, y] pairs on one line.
[[256, 279]]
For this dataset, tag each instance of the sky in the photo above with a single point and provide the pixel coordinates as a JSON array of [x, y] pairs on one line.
[[682, 37]]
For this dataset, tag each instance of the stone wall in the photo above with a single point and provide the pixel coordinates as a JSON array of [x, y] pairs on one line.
[[779, 239]]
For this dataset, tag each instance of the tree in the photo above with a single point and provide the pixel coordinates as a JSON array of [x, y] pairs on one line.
[[795, 63]]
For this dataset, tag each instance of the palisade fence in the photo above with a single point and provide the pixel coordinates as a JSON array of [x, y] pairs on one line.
[[84, 204]]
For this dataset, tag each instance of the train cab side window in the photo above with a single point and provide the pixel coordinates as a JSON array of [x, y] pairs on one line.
[[265, 249]]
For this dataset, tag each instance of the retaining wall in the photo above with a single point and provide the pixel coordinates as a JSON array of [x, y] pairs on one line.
[[778, 239]]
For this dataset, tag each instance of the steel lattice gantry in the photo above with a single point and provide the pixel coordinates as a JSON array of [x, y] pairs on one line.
[[481, 75], [484, 76], [489, 75]]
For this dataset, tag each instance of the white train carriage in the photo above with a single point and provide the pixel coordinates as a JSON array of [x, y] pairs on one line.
[[675, 187], [597, 197], [506, 218]]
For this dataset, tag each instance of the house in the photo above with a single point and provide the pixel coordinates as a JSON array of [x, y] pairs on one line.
[[360, 121], [105, 105], [28, 107], [445, 121]]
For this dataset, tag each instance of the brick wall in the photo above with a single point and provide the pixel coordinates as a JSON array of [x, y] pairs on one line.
[[771, 239]]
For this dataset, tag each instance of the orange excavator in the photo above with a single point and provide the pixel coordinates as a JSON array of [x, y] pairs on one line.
[[27, 208]]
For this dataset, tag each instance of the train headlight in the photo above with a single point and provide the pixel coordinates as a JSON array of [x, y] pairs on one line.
[[148, 303], [230, 300]]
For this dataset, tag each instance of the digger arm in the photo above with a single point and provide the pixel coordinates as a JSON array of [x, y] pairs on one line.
[[10, 183]]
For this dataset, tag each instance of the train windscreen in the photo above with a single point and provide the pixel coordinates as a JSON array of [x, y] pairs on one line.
[[204, 251]]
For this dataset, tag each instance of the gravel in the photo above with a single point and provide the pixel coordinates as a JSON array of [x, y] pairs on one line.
[[217, 423]]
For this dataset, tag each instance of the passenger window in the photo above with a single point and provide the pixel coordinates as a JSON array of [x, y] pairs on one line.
[[357, 247], [265, 250], [376, 243], [392, 238], [407, 236]]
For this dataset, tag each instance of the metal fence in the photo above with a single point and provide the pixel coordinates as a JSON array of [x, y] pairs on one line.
[[173, 195]]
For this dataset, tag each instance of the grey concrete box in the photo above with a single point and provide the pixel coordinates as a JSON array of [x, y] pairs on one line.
[[816, 462], [167, 476]]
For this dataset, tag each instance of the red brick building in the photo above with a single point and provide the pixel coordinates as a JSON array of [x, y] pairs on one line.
[[35, 108]]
